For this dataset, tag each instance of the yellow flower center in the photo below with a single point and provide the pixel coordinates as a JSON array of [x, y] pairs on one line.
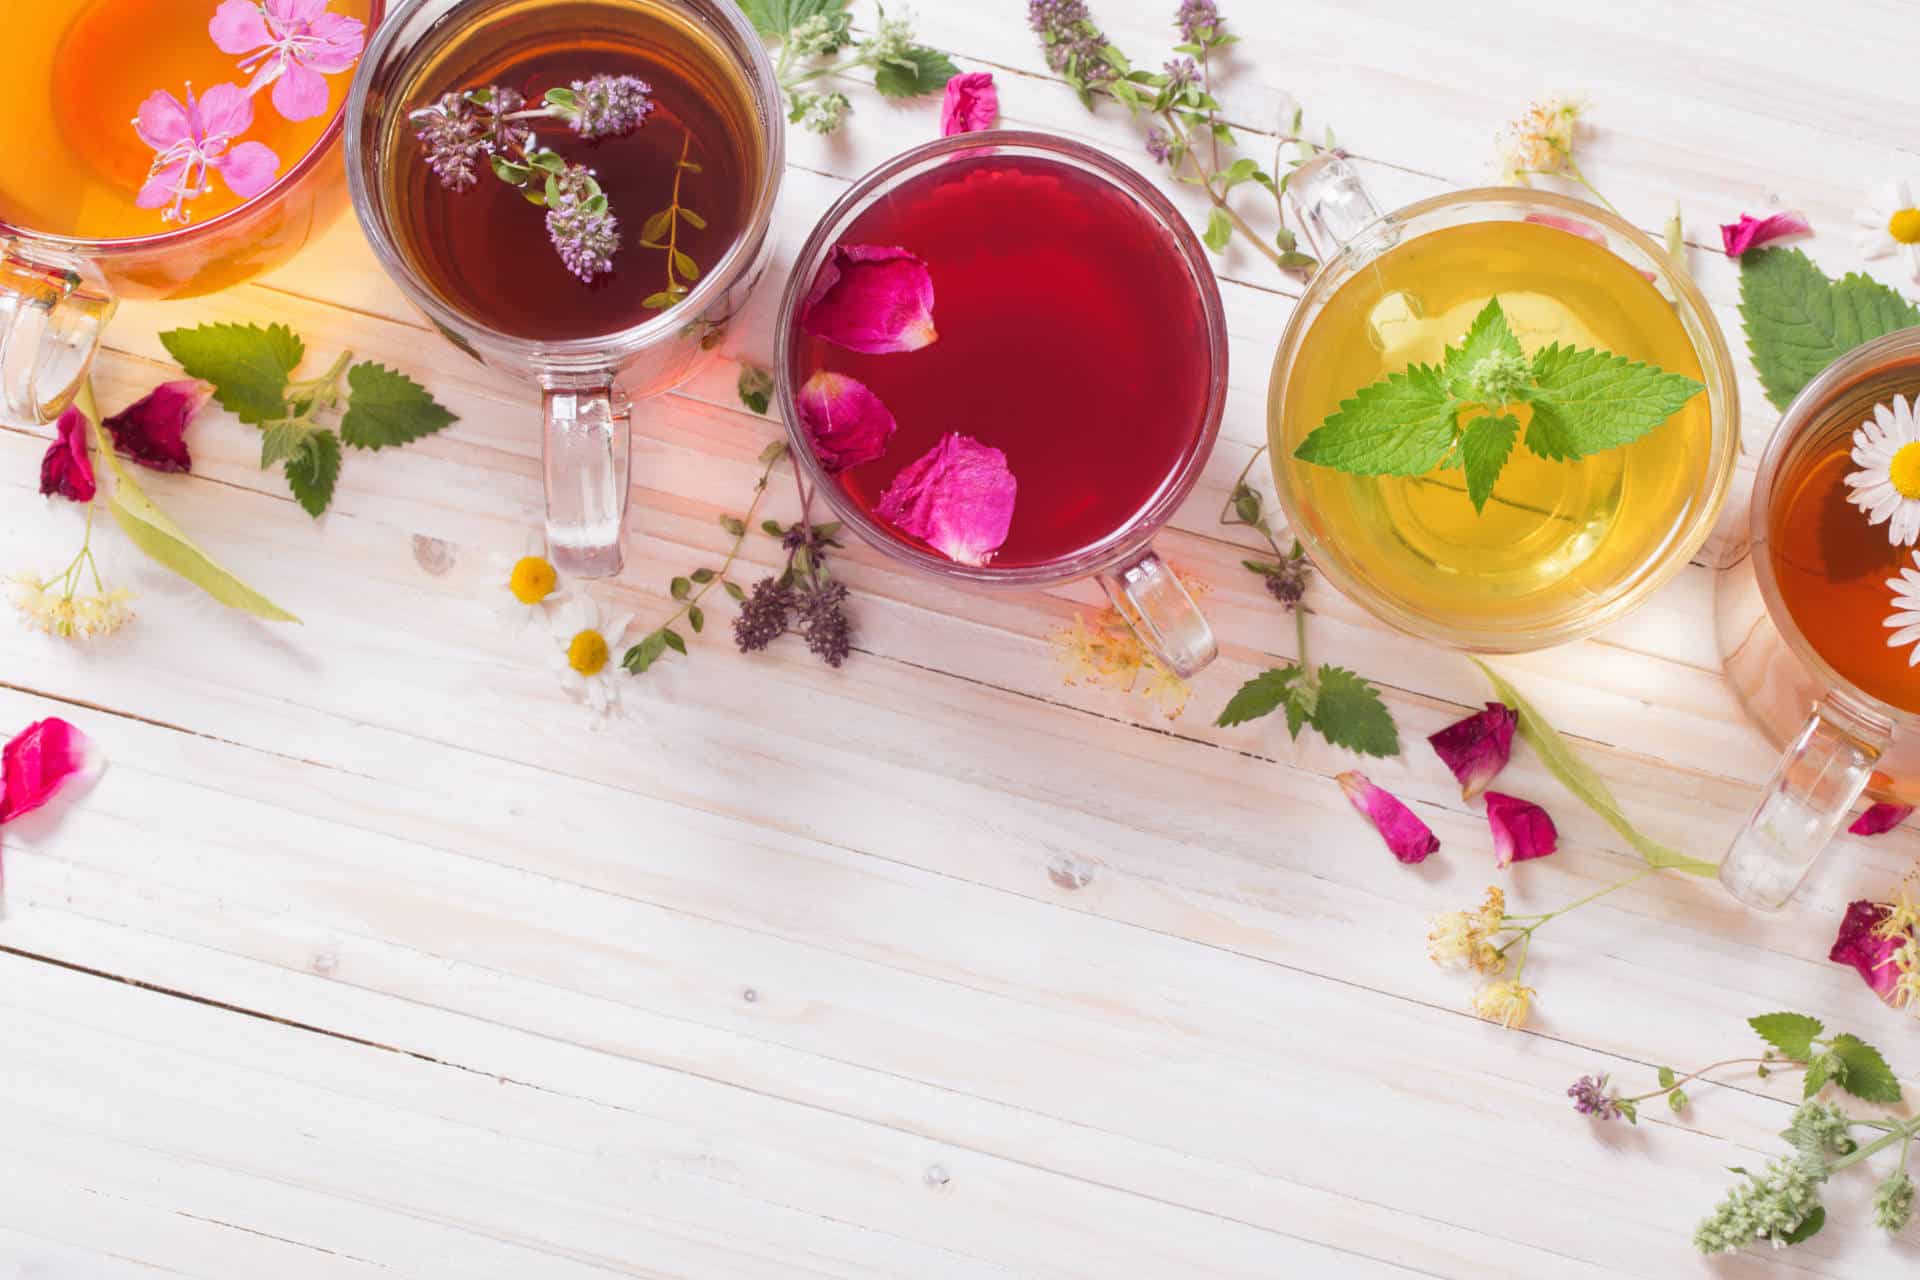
[[1904, 471], [1904, 226], [587, 654], [532, 580]]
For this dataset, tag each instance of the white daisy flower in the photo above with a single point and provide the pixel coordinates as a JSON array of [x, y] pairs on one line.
[[1890, 224], [589, 660], [532, 585], [1887, 449], [1906, 622]]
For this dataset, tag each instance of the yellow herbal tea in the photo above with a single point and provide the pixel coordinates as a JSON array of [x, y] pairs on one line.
[[1553, 534]]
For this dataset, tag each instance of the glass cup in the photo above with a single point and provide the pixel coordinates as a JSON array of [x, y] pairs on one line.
[[1840, 741], [58, 292], [1349, 234], [587, 384], [1142, 587]]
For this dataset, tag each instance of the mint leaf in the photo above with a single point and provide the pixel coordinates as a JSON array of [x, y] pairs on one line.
[[1867, 1075], [918, 71], [1791, 1033], [1489, 334], [1350, 714], [1400, 426], [247, 365], [1484, 448], [1798, 321], [283, 438], [388, 408], [312, 474], [755, 387], [1587, 402], [1817, 1072], [778, 17], [1261, 696]]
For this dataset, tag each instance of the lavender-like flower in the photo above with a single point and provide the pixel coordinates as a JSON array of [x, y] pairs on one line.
[[583, 231], [1181, 73], [1289, 584], [1159, 144], [1074, 44], [1591, 1097], [1197, 18], [607, 105], [763, 617], [823, 621]]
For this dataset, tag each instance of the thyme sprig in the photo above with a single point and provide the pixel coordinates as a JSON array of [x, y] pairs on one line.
[[662, 231]]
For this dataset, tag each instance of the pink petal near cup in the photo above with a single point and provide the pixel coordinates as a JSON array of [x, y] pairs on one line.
[[871, 299], [957, 497], [845, 422], [152, 431], [289, 44], [972, 104], [67, 469], [1477, 748], [1870, 949], [1753, 233], [42, 759], [1408, 838], [1521, 829]]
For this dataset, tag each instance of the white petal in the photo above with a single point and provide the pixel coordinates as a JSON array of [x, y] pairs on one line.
[[1911, 254], [1877, 244], [617, 627], [1901, 639]]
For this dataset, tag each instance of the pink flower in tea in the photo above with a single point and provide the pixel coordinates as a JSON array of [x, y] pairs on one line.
[[1521, 829], [1752, 233], [41, 759], [289, 44], [152, 431], [958, 497], [1865, 944], [971, 105], [67, 468], [1477, 748], [1880, 819], [194, 139], [871, 299], [846, 423], [1409, 839]]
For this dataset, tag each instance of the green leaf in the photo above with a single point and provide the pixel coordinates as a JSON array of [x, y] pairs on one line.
[[1630, 1109], [1260, 696], [1586, 401], [1484, 448], [1557, 754], [703, 576], [1867, 1075], [773, 453], [388, 408], [1676, 240], [1798, 321], [1667, 1078], [312, 474], [1791, 1033], [733, 525], [1298, 716], [283, 438], [1351, 714], [654, 230], [1489, 334], [696, 619], [646, 653], [1219, 232], [1809, 1226], [734, 589], [1817, 1073], [659, 301], [692, 219], [918, 71], [1400, 426], [683, 263], [773, 528], [679, 588], [514, 175], [1677, 1099], [674, 640], [247, 365], [1241, 170]]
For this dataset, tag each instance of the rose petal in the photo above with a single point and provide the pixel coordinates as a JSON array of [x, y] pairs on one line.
[[1477, 748], [162, 121], [249, 168], [152, 430], [1521, 829], [300, 93], [40, 760], [972, 104], [67, 469], [1880, 818], [1858, 945], [871, 299], [238, 27], [958, 496], [1410, 839], [1751, 232], [846, 422]]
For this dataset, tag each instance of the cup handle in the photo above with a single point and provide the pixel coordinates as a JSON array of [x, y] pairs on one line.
[[50, 323], [1820, 779], [1149, 596], [585, 459], [1333, 203]]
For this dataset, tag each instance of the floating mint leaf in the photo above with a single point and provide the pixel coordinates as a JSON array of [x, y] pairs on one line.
[[247, 365], [1401, 426], [1484, 448], [1791, 1033], [1587, 402], [1490, 334]]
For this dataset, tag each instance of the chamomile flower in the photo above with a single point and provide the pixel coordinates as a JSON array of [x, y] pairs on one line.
[[1906, 619], [1886, 447], [588, 644], [1890, 224], [532, 586]]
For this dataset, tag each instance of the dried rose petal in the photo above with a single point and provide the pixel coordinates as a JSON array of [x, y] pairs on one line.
[[1880, 819], [67, 470], [1859, 945], [846, 422], [152, 431], [871, 299], [41, 759], [1751, 232], [1521, 829], [1410, 839], [1477, 748], [958, 496], [971, 104]]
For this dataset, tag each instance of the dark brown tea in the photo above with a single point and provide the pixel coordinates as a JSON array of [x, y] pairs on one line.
[[485, 250]]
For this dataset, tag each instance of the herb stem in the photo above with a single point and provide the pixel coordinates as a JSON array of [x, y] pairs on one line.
[[1902, 1131], [1205, 181], [733, 552], [1730, 1062], [1524, 932]]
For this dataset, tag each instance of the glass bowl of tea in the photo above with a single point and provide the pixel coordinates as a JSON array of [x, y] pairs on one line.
[[1500, 419]]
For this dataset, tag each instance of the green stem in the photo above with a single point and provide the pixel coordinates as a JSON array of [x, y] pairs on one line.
[[790, 82], [1903, 1132], [320, 392], [1525, 932], [1219, 200], [733, 552], [1300, 629], [1730, 1062]]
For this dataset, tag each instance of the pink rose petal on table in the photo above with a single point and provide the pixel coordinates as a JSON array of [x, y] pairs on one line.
[[846, 423], [1880, 819], [958, 497], [41, 759], [1752, 233], [871, 299], [1477, 749], [1409, 839], [1858, 945], [971, 104], [67, 468], [1521, 829], [152, 430]]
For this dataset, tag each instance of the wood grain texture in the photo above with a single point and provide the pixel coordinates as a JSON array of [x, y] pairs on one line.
[[369, 957]]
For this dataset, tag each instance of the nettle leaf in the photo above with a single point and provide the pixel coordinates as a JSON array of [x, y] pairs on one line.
[[1350, 713], [1400, 426], [1791, 1033], [388, 408], [313, 474], [1867, 1075], [1489, 334], [919, 71], [1260, 696], [1485, 446], [778, 17], [1798, 321], [1587, 402], [283, 438], [247, 365]]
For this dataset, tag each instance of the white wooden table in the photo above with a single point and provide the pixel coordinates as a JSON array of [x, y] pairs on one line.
[[367, 957]]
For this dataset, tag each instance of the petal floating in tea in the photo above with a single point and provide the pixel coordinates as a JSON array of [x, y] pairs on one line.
[[1863, 944], [1409, 839], [846, 423], [1521, 829], [871, 299], [293, 41], [972, 104], [958, 497], [1752, 233], [41, 759], [1477, 749], [152, 431], [1880, 819], [67, 469]]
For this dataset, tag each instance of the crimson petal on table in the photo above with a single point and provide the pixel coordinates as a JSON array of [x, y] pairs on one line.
[[1521, 829], [958, 497], [846, 423], [1408, 838], [872, 299], [1860, 944], [42, 758], [152, 431], [1753, 233], [1880, 819], [1477, 748], [67, 469]]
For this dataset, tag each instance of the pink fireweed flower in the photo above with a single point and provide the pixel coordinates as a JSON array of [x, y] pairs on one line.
[[846, 423], [152, 431], [871, 299], [1753, 233], [67, 468], [193, 140], [1881, 954], [1521, 829], [289, 44], [958, 497], [1880, 819], [971, 105], [1477, 749], [1409, 839], [42, 758]]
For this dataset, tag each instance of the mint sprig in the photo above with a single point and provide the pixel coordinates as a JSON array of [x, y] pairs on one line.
[[1463, 414], [1799, 320]]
